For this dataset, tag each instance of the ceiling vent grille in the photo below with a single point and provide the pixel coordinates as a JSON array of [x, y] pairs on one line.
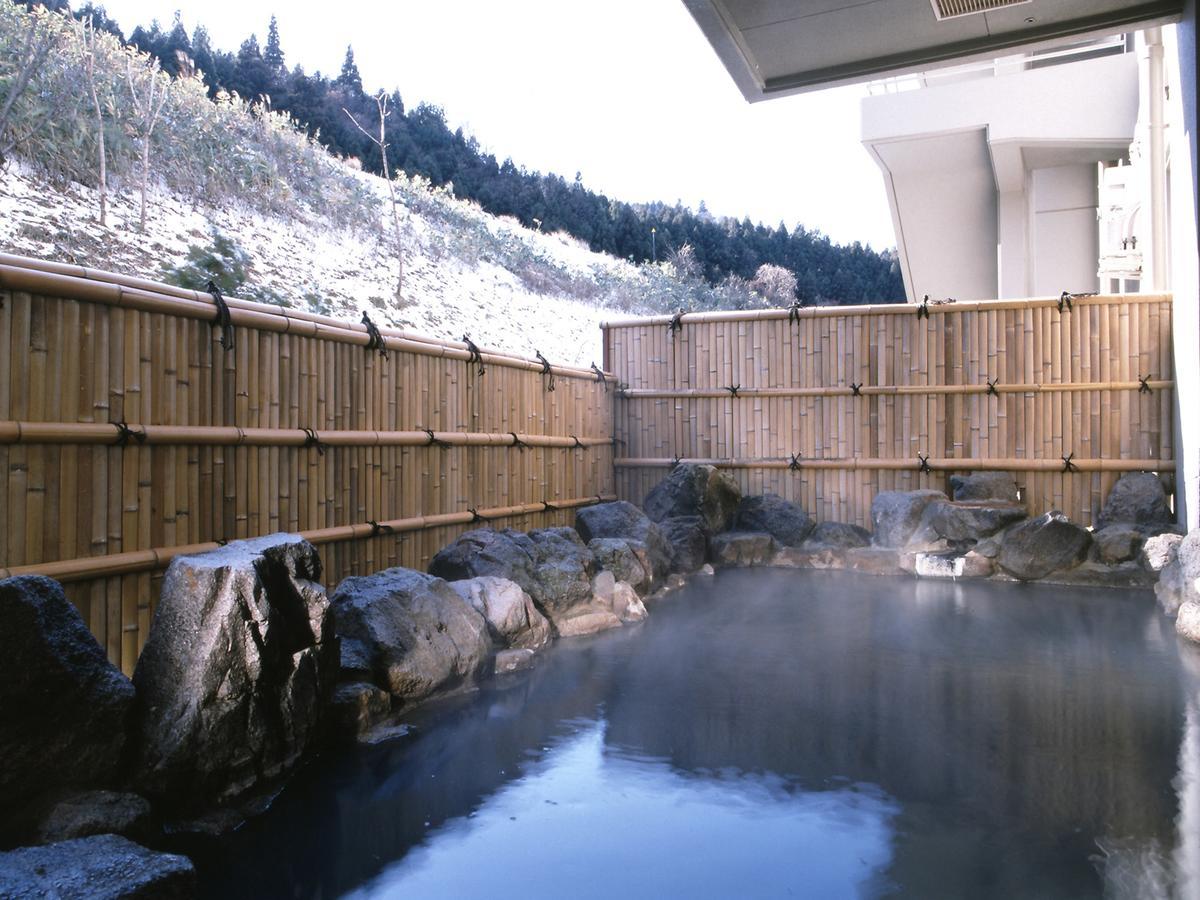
[[952, 9]]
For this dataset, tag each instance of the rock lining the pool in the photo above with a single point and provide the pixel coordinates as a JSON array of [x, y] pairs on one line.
[[493, 599]]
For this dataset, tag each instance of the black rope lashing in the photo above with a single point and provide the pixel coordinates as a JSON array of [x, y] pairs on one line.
[[923, 464], [676, 323], [311, 439], [546, 370], [518, 443], [577, 444], [476, 516], [923, 308], [374, 338], [856, 389], [547, 506], [794, 311], [224, 319], [377, 528], [991, 388], [600, 377], [794, 462], [1068, 463], [1066, 300], [1144, 385], [474, 357], [221, 542], [434, 440], [124, 433], [676, 463], [733, 389]]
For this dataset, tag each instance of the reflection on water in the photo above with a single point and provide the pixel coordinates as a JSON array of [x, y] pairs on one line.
[[774, 734], [604, 824]]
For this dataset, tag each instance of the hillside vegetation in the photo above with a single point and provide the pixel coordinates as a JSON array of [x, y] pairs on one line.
[[89, 126]]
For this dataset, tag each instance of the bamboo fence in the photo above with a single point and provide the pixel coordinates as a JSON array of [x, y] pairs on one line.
[[827, 406], [129, 435]]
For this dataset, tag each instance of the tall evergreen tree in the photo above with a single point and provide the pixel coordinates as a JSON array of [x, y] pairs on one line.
[[273, 54], [349, 77]]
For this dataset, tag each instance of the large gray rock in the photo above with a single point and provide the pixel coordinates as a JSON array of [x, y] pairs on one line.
[[784, 520], [64, 709], [621, 519], [695, 490], [618, 597], [563, 570], [1179, 580], [623, 560], [978, 486], [1037, 547], [552, 565], [837, 536], [238, 667], [418, 633], [103, 867], [896, 515], [1137, 498], [970, 521], [1187, 622], [689, 543], [511, 616], [742, 548], [96, 812], [1117, 543]]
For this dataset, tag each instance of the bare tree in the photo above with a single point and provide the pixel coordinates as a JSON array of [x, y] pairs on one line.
[[148, 98], [381, 101], [87, 37], [38, 41]]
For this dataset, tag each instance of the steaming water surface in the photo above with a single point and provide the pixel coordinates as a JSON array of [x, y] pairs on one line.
[[777, 734]]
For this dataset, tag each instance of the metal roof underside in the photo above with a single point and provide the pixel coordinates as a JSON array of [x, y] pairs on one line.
[[779, 47]]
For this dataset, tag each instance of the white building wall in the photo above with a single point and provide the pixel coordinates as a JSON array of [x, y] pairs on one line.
[[1064, 240]]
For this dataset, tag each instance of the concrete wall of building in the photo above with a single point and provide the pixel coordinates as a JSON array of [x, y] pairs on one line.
[[1065, 242]]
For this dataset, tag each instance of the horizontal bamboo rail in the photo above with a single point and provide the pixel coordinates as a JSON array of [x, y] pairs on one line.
[[144, 284], [154, 299], [892, 390], [159, 558], [944, 464], [227, 436], [875, 309], [860, 394]]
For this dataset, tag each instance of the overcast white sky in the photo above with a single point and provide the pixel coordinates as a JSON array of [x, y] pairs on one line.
[[628, 92]]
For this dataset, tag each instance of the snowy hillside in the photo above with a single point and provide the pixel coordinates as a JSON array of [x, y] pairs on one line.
[[459, 267]]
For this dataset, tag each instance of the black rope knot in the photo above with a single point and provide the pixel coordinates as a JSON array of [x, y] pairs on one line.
[[923, 308], [1144, 385], [1068, 464], [547, 506], [374, 338], [600, 376], [546, 370], [991, 387], [434, 440], [856, 389], [676, 323], [794, 311], [124, 433], [518, 443], [312, 440], [794, 463], [733, 389], [474, 356], [676, 463], [923, 464], [475, 515], [223, 320], [377, 529], [577, 443]]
